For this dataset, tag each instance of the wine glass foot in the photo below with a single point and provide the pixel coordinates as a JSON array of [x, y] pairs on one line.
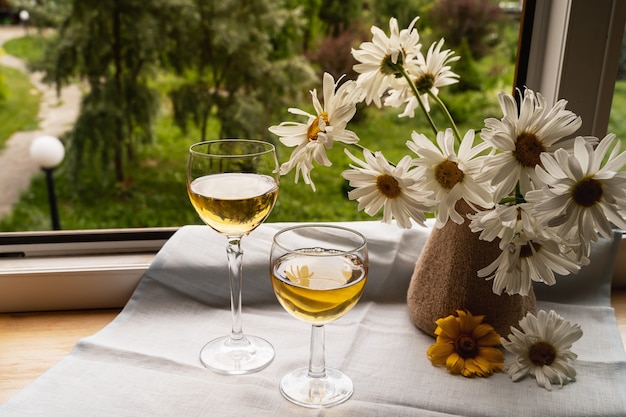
[[228, 356], [328, 391]]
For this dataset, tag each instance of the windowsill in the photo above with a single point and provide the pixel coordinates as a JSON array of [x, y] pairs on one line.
[[70, 282], [31, 343], [69, 270], [92, 280]]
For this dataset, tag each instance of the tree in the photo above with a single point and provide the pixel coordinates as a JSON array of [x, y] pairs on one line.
[[403, 10], [114, 47], [238, 61], [338, 15], [44, 13], [471, 21]]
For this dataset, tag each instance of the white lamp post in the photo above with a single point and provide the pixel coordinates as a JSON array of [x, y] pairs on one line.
[[25, 18], [48, 152]]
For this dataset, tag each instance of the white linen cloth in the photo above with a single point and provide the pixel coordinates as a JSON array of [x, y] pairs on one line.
[[145, 363]]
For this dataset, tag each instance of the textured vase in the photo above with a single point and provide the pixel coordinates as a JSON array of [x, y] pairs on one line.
[[445, 280]]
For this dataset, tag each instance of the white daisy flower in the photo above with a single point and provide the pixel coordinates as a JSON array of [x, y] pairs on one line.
[[583, 194], [527, 258], [542, 349], [504, 222], [397, 189], [449, 175], [521, 137], [322, 129], [379, 59], [427, 73], [301, 160]]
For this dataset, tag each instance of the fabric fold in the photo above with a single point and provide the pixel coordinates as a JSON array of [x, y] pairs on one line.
[[146, 362]]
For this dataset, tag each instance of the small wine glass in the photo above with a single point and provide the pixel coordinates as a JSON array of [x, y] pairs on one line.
[[233, 186], [318, 273]]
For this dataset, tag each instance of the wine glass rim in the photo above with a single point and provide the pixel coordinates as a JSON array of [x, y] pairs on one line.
[[269, 147], [357, 247]]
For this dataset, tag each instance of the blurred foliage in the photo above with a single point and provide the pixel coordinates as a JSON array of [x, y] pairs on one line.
[[617, 121], [19, 109], [3, 88], [472, 21], [44, 14], [339, 15], [182, 65], [236, 60], [115, 48], [239, 62], [29, 48], [153, 195], [334, 54], [403, 10]]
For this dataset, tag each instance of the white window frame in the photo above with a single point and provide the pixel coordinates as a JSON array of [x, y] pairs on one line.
[[574, 51], [568, 49], [69, 270]]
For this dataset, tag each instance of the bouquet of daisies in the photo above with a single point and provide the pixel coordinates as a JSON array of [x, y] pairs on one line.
[[544, 195]]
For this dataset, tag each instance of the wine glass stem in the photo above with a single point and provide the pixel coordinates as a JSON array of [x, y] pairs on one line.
[[317, 362], [235, 263]]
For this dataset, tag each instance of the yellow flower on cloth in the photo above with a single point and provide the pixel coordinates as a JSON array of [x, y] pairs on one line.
[[466, 346]]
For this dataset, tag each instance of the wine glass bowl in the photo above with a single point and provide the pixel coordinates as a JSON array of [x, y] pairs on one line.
[[317, 285], [233, 186], [318, 274], [232, 193]]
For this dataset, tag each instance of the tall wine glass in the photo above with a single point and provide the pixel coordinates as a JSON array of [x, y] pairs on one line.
[[233, 185], [318, 273]]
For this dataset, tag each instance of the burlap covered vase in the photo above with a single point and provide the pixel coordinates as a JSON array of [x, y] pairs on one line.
[[445, 280]]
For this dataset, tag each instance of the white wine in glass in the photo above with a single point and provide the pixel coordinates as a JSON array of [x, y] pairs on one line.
[[318, 273], [233, 186]]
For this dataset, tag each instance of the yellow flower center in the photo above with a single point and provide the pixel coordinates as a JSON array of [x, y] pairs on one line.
[[448, 174], [587, 192], [314, 128], [387, 67], [388, 186], [425, 83], [527, 149], [542, 353], [466, 347]]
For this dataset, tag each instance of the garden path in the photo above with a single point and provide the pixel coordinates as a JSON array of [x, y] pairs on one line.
[[56, 115]]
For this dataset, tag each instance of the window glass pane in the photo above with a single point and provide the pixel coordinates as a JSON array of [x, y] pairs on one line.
[[617, 119], [147, 81]]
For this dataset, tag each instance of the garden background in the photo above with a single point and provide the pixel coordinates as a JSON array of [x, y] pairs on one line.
[[159, 75]]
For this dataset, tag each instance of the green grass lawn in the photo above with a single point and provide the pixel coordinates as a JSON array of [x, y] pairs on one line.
[[29, 48], [19, 108]]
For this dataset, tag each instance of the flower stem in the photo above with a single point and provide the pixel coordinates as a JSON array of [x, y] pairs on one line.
[[519, 197], [356, 146], [419, 98], [444, 108], [516, 198]]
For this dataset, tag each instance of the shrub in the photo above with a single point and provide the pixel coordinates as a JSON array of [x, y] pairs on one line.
[[472, 20], [334, 54], [403, 10], [3, 89]]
